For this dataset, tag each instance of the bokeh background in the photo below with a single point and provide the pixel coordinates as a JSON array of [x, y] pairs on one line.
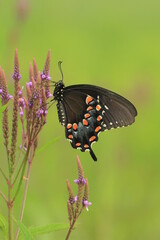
[[116, 45]]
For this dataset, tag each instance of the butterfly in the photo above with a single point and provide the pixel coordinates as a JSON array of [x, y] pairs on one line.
[[86, 110]]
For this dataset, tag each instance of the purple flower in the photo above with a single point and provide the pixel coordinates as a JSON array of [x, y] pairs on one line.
[[45, 112], [80, 181], [0, 91], [29, 84], [45, 76], [75, 199], [86, 204], [48, 94], [21, 103], [5, 97], [16, 76], [21, 111], [20, 92]]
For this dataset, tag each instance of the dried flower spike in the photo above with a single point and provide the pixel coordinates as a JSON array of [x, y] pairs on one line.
[[45, 76], [70, 212], [81, 200], [86, 196], [35, 70], [4, 88], [30, 72], [80, 179], [71, 194], [16, 74]]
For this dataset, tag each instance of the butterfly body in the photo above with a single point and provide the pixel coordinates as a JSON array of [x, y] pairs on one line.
[[86, 110]]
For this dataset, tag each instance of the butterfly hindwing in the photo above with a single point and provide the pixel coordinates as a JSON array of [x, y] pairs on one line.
[[84, 117]]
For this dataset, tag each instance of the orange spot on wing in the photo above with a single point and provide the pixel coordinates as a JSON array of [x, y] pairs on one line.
[[86, 146], [69, 125], [99, 118], [85, 122], [75, 126], [87, 115], [97, 129], [98, 107], [89, 99], [78, 144], [92, 138], [70, 136], [89, 108]]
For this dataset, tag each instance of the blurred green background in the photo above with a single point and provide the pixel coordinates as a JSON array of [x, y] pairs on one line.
[[116, 45]]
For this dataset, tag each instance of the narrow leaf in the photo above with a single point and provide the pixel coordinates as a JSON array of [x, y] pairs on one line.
[[48, 228], [3, 226], [25, 232], [2, 108], [39, 150]]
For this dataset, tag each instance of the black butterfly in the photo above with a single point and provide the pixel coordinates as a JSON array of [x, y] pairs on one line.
[[86, 110]]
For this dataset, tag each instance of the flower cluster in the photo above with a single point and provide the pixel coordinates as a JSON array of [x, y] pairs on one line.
[[29, 105], [5, 96], [77, 203], [32, 107]]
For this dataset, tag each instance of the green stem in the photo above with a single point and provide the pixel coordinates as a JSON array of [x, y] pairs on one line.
[[19, 171], [22, 174], [25, 193], [10, 209], [72, 224], [70, 229]]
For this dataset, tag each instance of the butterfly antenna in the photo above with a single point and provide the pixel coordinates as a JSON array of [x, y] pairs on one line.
[[60, 68]]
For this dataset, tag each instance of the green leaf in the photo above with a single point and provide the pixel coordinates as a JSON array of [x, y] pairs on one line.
[[48, 228], [39, 150], [25, 232], [2, 108], [4, 226]]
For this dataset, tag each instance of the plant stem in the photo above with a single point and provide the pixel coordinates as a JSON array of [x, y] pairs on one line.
[[22, 173], [25, 193], [18, 172], [70, 229], [10, 209], [72, 224]]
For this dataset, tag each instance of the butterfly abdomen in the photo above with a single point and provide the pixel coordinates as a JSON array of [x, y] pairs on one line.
[[61, 113]]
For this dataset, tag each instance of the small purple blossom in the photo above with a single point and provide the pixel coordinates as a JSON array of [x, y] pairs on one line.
[[9, 96], [86, 204], [30, 104], [21, 111], [41, 112], [75, 199], [1, 91], [29, 84], [16, 76], [48, 94], [6, 97], [21, 103], [80, 181], [20, 92], [45, 76], [45, 112]]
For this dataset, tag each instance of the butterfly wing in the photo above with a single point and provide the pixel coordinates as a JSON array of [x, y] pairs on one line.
[[90, 110]]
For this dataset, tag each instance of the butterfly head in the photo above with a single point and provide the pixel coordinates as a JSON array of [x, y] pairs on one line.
[[58, 91]]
